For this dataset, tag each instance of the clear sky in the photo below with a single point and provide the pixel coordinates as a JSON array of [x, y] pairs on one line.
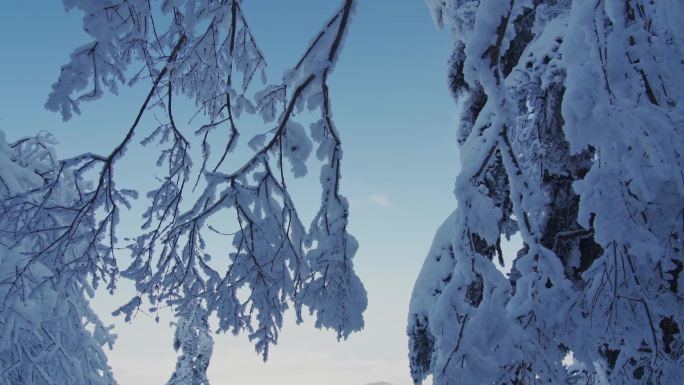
[[397, 123]]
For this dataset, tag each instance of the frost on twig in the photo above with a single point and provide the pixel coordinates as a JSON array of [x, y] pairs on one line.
[[204, 52]]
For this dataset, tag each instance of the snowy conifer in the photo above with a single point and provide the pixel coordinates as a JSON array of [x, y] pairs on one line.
[[571, 135]]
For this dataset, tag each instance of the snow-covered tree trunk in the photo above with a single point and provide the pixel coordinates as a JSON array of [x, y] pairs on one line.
[[571, 134]]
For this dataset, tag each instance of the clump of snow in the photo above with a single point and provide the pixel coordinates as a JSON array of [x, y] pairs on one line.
[[570, 136]]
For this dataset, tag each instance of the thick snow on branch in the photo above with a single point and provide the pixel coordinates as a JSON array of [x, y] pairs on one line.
[[571, 135]]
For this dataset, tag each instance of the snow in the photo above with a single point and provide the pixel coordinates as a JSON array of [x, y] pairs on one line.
[[570, 134], [49, 334], [64, 214]]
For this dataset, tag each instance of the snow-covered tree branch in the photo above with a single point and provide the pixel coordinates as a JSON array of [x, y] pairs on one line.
[[570, 135], [48, 332], [64, 214]]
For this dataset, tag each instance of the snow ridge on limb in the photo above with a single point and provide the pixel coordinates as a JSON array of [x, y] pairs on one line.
[[570, 135]]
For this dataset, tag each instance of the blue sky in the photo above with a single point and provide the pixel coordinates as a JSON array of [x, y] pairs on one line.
[[397, 123]]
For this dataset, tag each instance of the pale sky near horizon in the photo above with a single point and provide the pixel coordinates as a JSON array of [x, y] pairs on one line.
[[397, 122]]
